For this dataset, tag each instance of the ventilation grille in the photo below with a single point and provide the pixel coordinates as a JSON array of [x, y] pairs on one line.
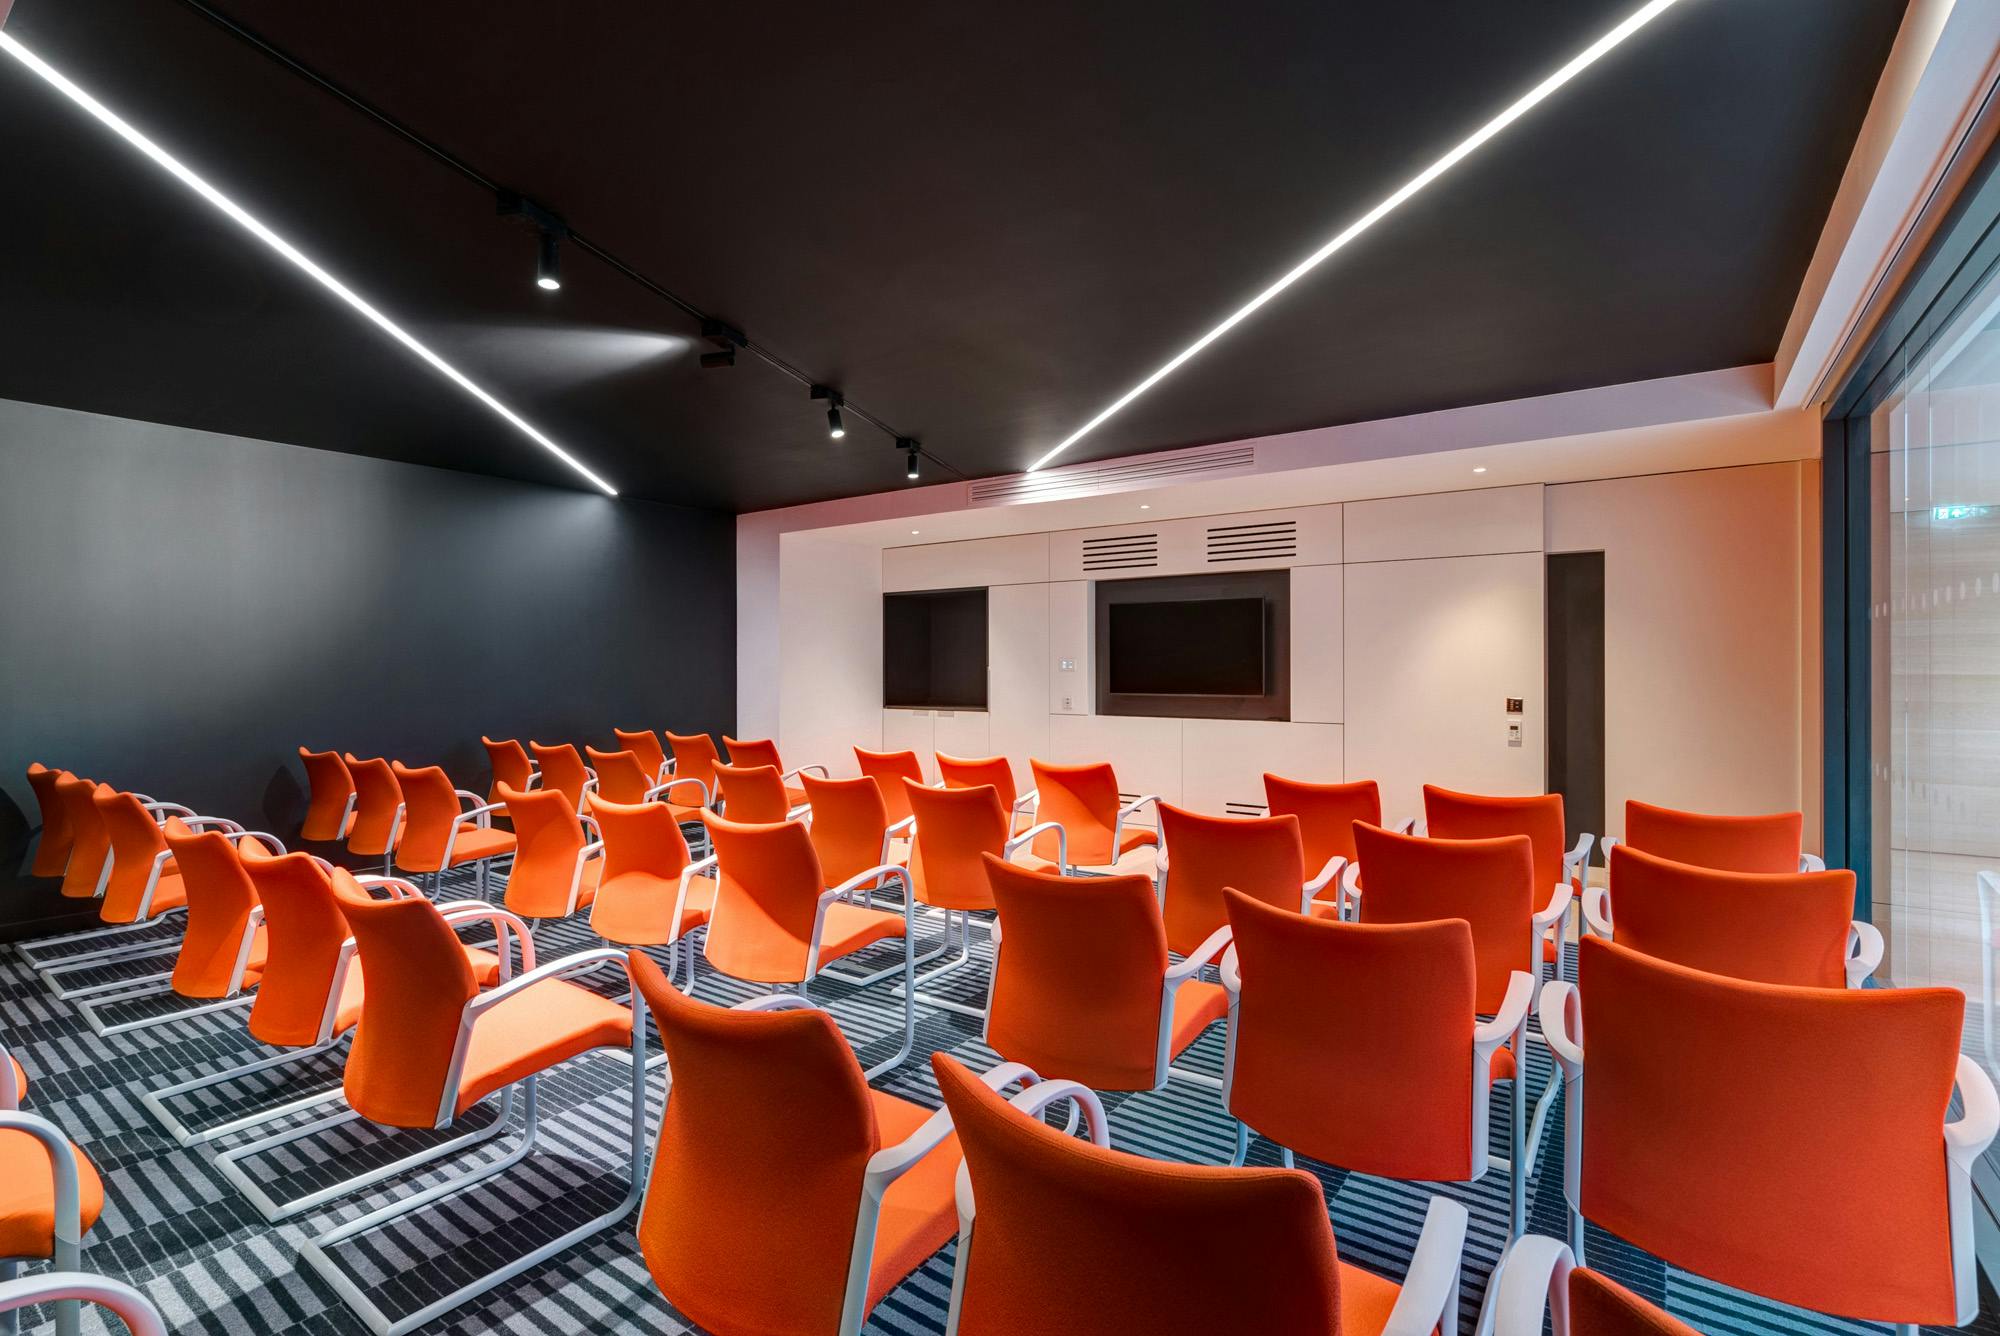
[[1245, 809], [1124, 552], [1123, 475], [1266, 541]]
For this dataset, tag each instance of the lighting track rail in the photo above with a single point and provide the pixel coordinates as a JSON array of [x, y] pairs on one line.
[[703, 319]]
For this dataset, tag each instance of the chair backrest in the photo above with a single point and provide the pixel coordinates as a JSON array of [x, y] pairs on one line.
[[1078, 977], [303, 932], [136, 842], [328, 787], [1353, 1041], [1488, 883], [1260, 856], [748, 754], [962, 772], [1774, 927], [643, 743], [956, 828], [89, 844], [752, 795], [621, 775], [1475, 816], [1814, 1116], [418, 984], [1084, 799], [850, 821], [768, 885], [52, 854], [511, 765], [220, 897], [749, 1213], [430, 814], [1600, 1306], [1073, 1237], [638, 838], [889, 769], [562, 770], [375, 828], [694, 757], [548, 840], [1326, 813], [1768, 843]]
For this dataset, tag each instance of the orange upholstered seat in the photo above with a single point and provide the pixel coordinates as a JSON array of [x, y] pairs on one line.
[[889, 770], [1792, 1142], [644, 744], [1065, 1235], [645, 895], [1475, 816], [850, 825], [774, 921], [555, 871], [52, 852], [621, 775], [1326, 813], [329, 796], [962, 772], [1766, 843], [90, 846], [956, 828], [28, 1194], [510, 763], [1084, 801], [1083, 987], [563, 771], [755, 795], [438, 832], [144, 882], [220, 951], [1538, 1285], [694, 758], [1260, 856], [378, 809], [754, 753]]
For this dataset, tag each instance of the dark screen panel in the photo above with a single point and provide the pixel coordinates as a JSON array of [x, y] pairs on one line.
[[934, 650], [1188, 647]]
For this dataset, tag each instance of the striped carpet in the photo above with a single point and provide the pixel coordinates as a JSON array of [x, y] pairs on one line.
[[176, 1229]]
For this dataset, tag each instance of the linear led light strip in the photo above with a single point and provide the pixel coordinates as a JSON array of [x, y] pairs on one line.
[[244, 219], [1577, 64]]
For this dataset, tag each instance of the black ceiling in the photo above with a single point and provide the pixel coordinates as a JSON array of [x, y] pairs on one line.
[[982, 221]]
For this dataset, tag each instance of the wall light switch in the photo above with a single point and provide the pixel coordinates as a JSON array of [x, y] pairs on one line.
[[1513, 735], [1066, 704], [1067, 666]]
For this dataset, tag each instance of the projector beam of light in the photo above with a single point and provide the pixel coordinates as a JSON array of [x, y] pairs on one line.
[[1577, 64], [249, 223]]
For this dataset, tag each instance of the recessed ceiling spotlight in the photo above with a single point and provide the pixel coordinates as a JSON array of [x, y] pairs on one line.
[[249, 223], [1576, 65], [913, 533], [1481, 468], [548, 263], [1145, 507]]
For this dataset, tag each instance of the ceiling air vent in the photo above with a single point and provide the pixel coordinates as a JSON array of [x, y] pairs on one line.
[[1268, 541], [1233, 808], [1122, 552]]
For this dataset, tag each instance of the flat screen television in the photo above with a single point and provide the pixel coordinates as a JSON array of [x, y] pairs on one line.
[[1188, 647], [934, 650]]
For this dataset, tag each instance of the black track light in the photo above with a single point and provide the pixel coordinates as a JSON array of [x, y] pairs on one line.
[[548, 263], [914, 452], [834, 427]]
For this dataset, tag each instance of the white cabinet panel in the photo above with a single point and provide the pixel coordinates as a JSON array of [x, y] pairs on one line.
[[1017, 559], [1318, 666], [1223, 760], [1434, 649], [1445, 524], [1071, 689], [1145, 752], [958, 733], [909, 730], [1018, 675]]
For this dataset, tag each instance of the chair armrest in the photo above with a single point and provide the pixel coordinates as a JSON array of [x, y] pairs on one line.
[[777, 1002], [888, 1164], [666, 788], [1967, 1139], [1430, 1286], [1333, 868], [1350, 890], [1597, 910], [1037, 1098], [907, 823], [1513, 1014], [469, 796], [1128, 810], [688, 874], [794, 774], [1811, 863], [482, 814], [223, 823], [1028, 799], [68, 1230], [1559, 1005], [269, 839], [1230, 971], [162, 810], [581, 963], [868, 878], [397, 887], [1558, 907], [134, 1309], [1577, 860], [1864, 945], [504, 921], [1532, 1281], [1414, 825], [1132, 807], [1606, 845], [1203, 954], [1027, 837], [588, 851]]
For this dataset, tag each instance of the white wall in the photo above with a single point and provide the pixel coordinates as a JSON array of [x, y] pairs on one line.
[[827, 661]]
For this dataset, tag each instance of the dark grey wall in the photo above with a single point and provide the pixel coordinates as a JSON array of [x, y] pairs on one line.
[[181, 610]]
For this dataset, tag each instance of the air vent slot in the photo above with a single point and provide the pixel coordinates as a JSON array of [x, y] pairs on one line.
[[1231, 808], [1122, 552], [1270, 540]]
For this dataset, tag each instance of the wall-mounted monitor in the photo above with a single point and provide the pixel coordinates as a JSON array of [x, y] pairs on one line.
[[1195, 646], [934, 650]]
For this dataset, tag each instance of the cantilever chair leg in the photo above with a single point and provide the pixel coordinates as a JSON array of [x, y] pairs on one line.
[[152, 946], [876, 976], [909, 992], [91, 1010], [156, 1100]]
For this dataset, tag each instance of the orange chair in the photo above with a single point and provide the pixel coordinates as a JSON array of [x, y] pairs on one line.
[[1472, 816], [694, 758], [50, 1195], [755, 795], [378, 810], [650, 892], [556, 870], [90, 847], [1773, 927], [775, 921], [52, 851], [1767, 843], [889, 770], [850, 827], [429, 1046], [1084, 801], [763, 751], [1360, 1044], [329, 796], [1082, 986], [621, 775], [644, 743], [1787, 1141], [960, 772], [787, 1195], [309, 995], [511, 766], [563, 770], [1326, 813], [438, 834], [1260, 856], [1538, 1286], [1061, 1235]]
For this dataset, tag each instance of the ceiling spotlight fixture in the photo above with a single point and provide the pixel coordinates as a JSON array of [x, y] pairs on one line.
[[550, 230], [1480, 469], [727, 339], [834, 427], [548, 263], [1576, 65], [913, 451], [256, 228], [1144, 507]]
